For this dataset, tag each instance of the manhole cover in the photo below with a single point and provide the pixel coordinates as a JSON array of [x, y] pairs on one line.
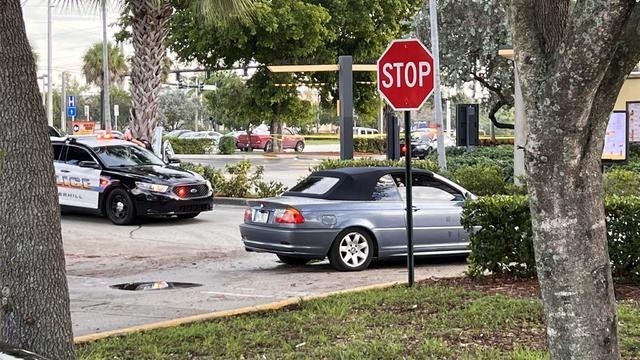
[[154, 285]]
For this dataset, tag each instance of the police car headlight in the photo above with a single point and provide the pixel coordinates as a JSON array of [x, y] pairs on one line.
[[152, 187]]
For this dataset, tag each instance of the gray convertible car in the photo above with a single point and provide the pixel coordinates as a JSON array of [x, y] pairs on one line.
[[353, 215]]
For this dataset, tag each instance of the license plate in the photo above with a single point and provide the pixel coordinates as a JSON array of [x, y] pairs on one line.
[[261, 216]]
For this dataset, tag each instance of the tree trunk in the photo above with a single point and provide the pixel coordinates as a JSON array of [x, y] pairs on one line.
[[150, 26], [34, 298], [571, 72], [276, 135]]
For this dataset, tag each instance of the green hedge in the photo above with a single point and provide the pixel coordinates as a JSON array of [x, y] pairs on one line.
[[337, 164], [504, 242], [371, 145], [191, 146], [227, 145]]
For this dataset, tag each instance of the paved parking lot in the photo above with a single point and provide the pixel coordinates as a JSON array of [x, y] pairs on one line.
[[205, 250]]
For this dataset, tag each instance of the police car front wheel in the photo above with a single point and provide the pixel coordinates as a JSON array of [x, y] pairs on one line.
[[119, 207]]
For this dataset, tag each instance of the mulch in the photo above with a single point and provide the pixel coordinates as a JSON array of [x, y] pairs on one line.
[[519, 287]]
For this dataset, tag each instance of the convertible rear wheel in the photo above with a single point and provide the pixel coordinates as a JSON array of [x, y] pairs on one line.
[[351, 251], [293, 260]]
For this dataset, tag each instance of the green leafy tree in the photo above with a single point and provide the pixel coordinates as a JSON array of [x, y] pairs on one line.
[[177, 110], [471, 33], [300, 31]]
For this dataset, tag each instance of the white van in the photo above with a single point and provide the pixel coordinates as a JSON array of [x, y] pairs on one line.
[[364, 131]]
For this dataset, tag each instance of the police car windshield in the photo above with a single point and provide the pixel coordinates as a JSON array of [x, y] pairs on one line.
[[126, 155]]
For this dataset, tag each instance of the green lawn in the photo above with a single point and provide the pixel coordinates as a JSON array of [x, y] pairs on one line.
[[428, 322], [322, 141]]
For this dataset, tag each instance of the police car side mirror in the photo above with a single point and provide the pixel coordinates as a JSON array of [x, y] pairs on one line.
[[89, 164]]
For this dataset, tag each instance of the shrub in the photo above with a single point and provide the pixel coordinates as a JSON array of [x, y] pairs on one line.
[[239, 181], [481, 179], [227, 145], [337, 164], [191, 146], [622, 182], [503, 243], [372, 145]]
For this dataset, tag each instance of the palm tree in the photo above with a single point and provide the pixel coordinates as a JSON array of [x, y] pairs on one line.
[[150, 25], [92, 64]]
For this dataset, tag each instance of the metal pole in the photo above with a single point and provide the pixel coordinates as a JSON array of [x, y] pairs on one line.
[[435, 49], [345, 91], [198, 102], [63, 104], [408, 183], [448, 117], [49, 61], [106, 107]]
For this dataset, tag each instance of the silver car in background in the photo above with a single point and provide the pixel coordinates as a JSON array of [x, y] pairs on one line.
[[353, 215]]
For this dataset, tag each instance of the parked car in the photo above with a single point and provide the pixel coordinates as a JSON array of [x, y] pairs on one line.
[[9, 352], [213, 135], [354, 215], [176, 133], [124, 181], [187, 135], [420, 147], [290, 140], [364, 131]]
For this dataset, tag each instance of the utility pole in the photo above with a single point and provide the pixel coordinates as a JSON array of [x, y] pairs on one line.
[[49, 76], [437, 99], [63, 104], [198, 102], [106, 106]]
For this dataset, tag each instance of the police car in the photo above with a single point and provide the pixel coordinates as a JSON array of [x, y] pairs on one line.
[[124, 181]]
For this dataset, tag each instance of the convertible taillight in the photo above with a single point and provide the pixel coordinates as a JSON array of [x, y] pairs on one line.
[[247, 215], [403, 149], [289, 216]]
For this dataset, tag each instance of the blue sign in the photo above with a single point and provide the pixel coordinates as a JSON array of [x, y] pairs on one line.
[[71, 101], [71, 111]]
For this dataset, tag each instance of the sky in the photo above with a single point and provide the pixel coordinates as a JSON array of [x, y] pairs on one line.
[[74, 30]]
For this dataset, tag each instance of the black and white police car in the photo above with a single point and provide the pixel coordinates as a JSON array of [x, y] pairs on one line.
[[124, 181]]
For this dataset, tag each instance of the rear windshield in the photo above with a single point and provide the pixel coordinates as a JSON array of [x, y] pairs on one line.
[[316, 185]]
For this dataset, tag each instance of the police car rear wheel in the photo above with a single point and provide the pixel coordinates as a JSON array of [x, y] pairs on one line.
[[119, 207]]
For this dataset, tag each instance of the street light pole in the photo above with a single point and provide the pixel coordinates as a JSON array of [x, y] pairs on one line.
[[437, 99], [106, 107], [49, 76]]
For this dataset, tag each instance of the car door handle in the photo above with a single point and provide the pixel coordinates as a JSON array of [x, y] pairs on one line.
[[65, 171], [414, 208]]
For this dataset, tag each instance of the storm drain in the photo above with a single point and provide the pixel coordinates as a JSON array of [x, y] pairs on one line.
[[155, 285]]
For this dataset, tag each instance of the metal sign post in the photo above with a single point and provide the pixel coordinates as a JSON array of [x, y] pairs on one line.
[[409, 198], [406, 80]]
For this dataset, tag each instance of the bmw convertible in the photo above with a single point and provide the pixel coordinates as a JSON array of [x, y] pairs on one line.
[[354, 215]]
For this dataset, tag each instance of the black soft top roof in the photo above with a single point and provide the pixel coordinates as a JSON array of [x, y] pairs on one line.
[[356, 183]]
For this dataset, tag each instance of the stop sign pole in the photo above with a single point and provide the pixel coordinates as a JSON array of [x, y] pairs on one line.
[[406, 81]]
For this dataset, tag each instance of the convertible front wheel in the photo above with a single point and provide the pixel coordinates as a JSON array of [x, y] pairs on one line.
[[351, 251]]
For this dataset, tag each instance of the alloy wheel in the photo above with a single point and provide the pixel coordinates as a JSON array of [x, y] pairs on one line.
[[354, 249]]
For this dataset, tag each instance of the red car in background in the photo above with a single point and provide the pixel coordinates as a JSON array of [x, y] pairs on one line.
[[290, 140]]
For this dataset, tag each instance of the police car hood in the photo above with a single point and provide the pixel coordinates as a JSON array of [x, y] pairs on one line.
[[160, 174]]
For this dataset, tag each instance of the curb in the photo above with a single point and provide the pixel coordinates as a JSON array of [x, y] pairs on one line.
[[226, 313], [230, 201]]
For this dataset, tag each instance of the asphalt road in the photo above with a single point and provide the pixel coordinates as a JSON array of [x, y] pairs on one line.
[[205, 250]]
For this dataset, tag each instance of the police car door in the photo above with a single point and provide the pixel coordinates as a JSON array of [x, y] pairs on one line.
[[77, 185]]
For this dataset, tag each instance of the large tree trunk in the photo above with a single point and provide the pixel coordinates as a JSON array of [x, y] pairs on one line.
[[150, 26], [572, 61], [34, 299]]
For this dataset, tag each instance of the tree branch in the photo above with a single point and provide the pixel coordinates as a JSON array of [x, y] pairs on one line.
[[551, 21], [503, 100]]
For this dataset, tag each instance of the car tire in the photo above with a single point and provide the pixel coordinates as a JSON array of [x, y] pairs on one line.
[[299, 146], [120, 208], [293, 260], [268, 147], [352, 250], [188, 216]]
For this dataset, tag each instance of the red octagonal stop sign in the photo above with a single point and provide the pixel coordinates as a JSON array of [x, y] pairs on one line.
[[405, 74]]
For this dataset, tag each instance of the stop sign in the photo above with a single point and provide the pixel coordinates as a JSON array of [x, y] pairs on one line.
[[405, 74]]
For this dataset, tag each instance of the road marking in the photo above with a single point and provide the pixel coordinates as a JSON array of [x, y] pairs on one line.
[[235, 294]]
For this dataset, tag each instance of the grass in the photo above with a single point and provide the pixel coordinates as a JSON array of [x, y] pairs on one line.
[[427, 322], [322, 141]]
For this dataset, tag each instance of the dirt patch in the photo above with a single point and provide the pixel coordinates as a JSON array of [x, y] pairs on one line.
[[518, 287]]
